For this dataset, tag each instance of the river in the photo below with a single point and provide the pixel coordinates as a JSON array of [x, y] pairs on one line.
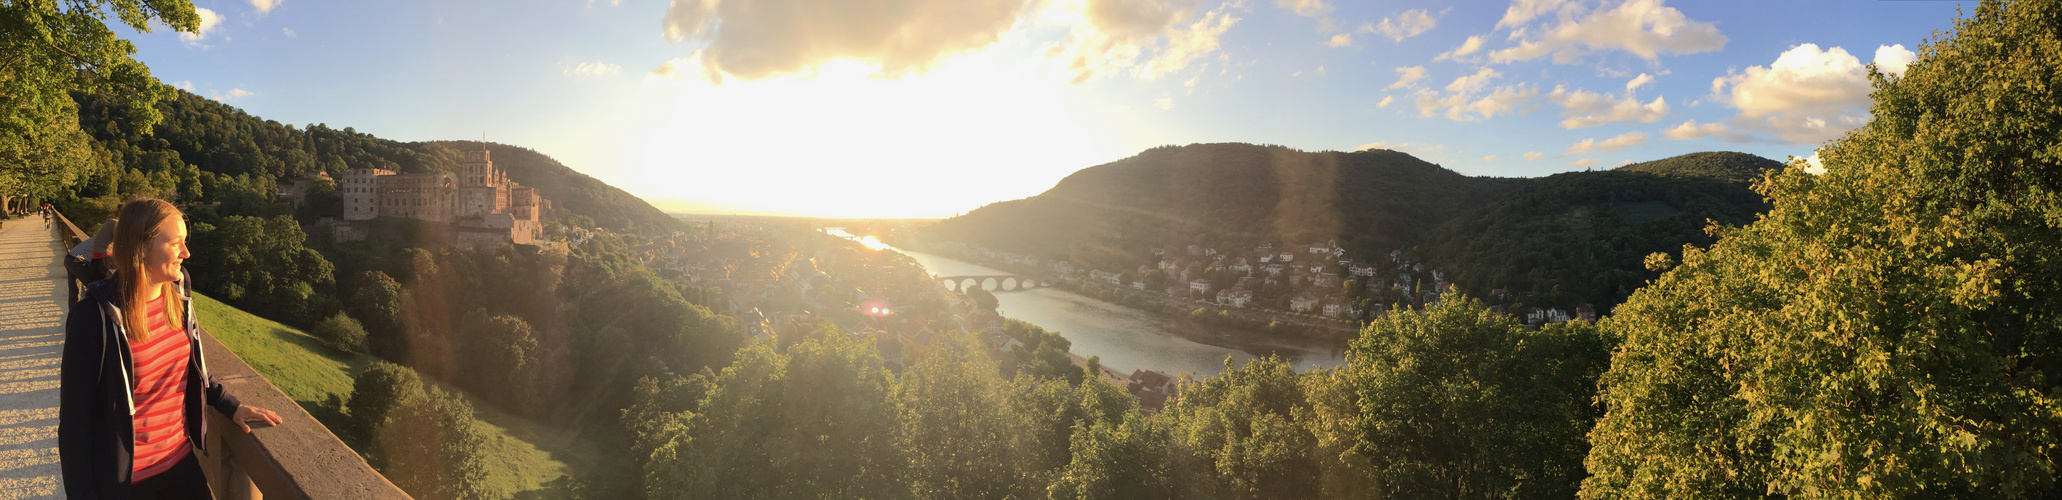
[[1127, 338]]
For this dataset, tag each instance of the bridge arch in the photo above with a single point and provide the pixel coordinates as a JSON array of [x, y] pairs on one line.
[[996, 283]]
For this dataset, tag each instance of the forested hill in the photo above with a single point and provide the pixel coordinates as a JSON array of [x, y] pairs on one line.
[[1226, 195], [209, 151], [1566, 239], [1581, 237]]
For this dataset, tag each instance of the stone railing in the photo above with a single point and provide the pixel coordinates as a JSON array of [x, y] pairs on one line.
[[299, 458]]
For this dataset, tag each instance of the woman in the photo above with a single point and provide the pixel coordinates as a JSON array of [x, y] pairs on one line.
[[133, 380]]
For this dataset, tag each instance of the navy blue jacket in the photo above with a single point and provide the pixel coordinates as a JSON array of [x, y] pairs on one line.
[[96, 435]]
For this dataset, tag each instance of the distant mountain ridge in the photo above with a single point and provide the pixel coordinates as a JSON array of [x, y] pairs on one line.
[[1573, 237]]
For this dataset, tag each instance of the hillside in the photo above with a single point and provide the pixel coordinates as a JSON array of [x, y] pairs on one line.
[[208, 151], [1561, 240], [1225, 195], [1581, 237], [522, 456]]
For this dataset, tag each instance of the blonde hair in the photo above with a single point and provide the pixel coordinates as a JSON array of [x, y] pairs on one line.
[[136, 224]]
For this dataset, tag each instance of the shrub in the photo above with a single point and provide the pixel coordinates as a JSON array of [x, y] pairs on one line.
[[342, 333]]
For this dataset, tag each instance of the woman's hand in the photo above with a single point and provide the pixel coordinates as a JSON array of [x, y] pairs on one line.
[[247, 414]]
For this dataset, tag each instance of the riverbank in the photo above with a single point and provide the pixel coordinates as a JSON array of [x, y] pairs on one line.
[[1127, 338]]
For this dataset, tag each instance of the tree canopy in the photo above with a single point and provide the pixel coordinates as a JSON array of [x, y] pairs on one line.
[[1888, 329]]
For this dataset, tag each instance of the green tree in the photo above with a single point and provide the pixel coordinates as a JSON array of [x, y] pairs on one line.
[[376, 301], [1460, 402], [815, 421], [983, 298], [377, 392], [1887, 329], [963, 437], [1126, 459], [53, 49], [261, 265], [501, 361], [1239, 429]]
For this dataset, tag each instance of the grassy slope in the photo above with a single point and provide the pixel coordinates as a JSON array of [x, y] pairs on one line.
[[309, 373]]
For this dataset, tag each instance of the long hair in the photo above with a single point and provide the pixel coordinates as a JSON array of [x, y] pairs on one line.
[[136, 224]]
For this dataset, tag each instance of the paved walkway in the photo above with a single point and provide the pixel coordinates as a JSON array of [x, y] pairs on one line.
[[32, 307]]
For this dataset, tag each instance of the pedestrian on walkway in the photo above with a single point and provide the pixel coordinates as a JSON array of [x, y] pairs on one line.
[[133, 377]]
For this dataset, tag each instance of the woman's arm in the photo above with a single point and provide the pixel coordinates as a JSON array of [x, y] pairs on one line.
[[78, 391]]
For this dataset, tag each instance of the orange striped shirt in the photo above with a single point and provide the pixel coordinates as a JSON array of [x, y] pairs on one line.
[[160, 418]]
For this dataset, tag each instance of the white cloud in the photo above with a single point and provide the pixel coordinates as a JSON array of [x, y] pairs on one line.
[[1813, 165], [1691, 130], [1643, 27], [1533, 155], [1383, 145], [208, 21], [1587, 109], [1892, 60], [1147, 38], [1386, 100], [1622, 141], [289, 32], [264, 6], [1407, 76], [1473, 44], [1489, 158], [1806, 96], [596, 68], [1637, 82], [1340, 40], [1470, 83], [1522, 11], [1410, 23], [186, 85], [233, 94], [1584, 163], [681, 70], [1309, 8], [765, 38], [1460, 102]]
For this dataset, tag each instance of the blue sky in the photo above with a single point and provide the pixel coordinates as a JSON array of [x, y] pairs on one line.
[[934, 107]]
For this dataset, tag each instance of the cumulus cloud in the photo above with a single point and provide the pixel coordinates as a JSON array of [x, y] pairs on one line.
[[1148, 38], [264, 6], [1407, 76], [765, 38], [1533, 155], [1473, 44], [1410, 23], [1637, 82], [680, 70], [596, 68], [1584, 163], [1806, 96], [1340, 40], [1892, 60], [1588, 109], [1489, 158], [1622, 141], [1645, 28], [1522, 11], [1386, 100], [1309, 8], [1462, 103], [186, 85], [1812, 165], [208, 21]]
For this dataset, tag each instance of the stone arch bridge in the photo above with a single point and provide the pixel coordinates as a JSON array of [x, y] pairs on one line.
[[996, 282]]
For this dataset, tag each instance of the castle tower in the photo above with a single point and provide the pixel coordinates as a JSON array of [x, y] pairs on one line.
[[482, 189]]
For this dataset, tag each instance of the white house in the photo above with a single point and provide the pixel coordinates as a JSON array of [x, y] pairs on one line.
[[1303, 303], [1286, 257], [1201, 286]]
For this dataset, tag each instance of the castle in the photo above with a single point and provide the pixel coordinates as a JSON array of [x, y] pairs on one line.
[[487, 208]]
